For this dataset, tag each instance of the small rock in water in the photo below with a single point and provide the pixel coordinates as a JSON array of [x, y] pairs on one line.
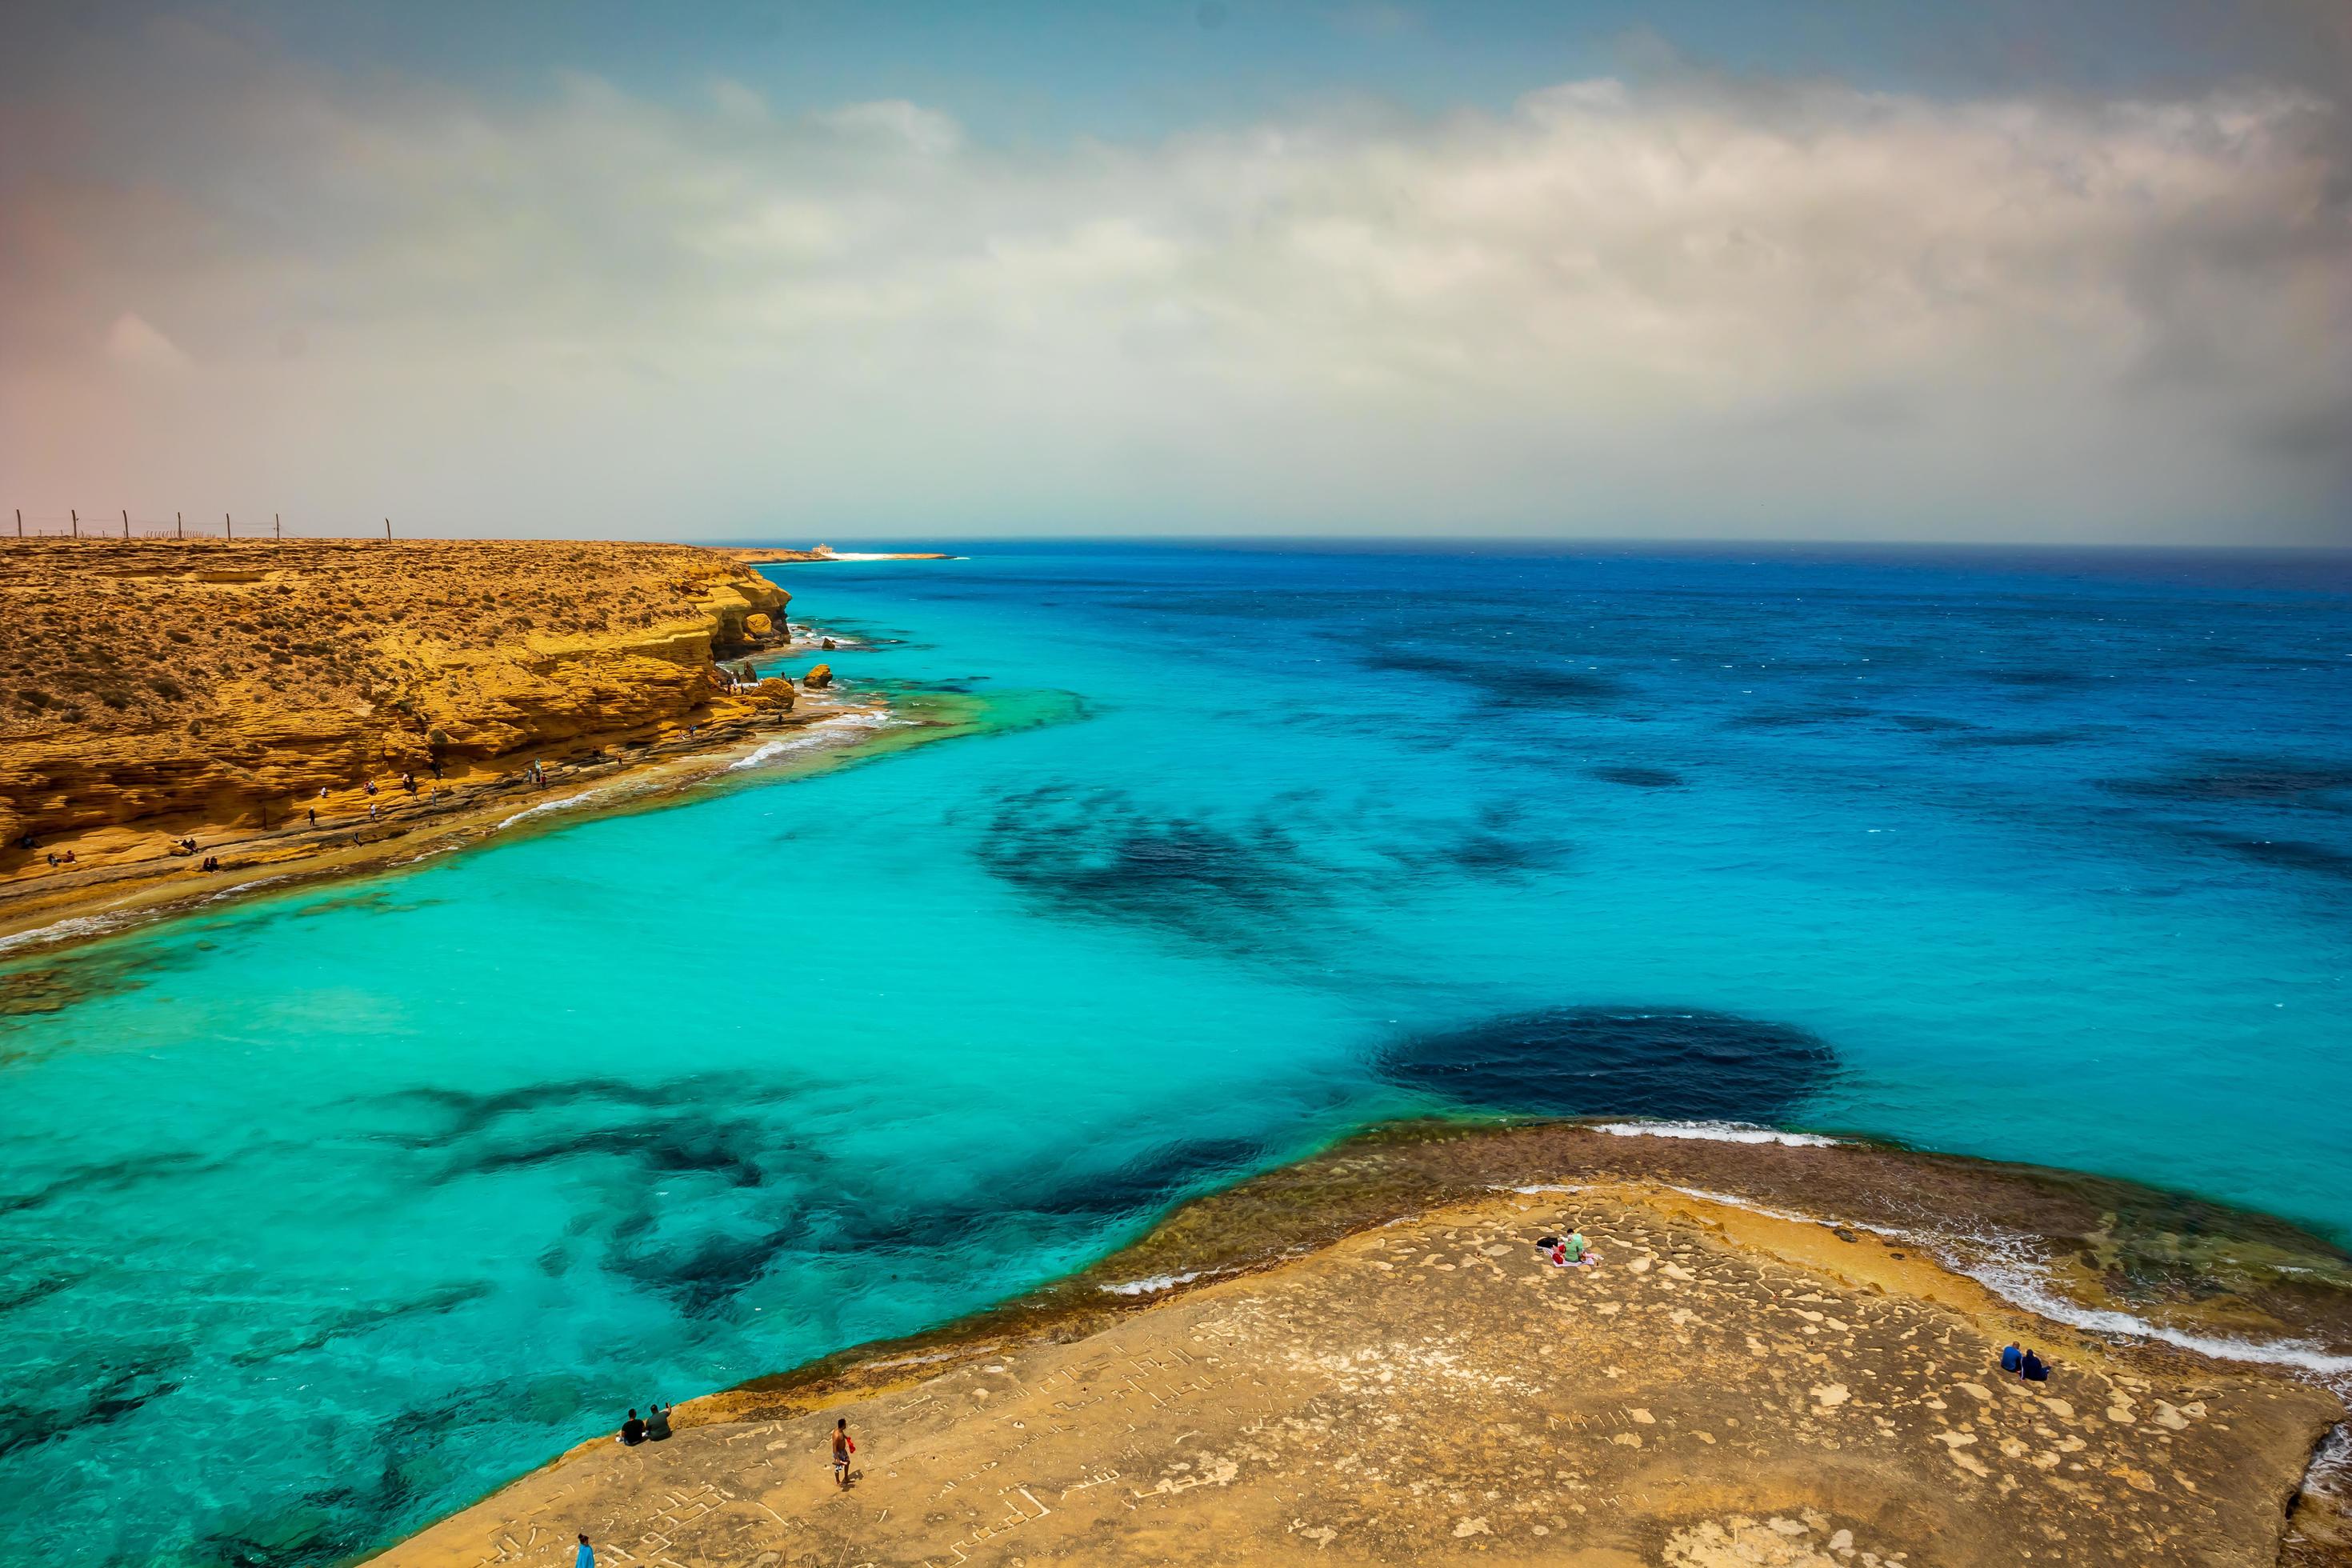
[[819, 677]]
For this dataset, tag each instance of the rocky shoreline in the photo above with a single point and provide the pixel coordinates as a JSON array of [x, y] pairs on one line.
[[274, 712], [1788, 1356]]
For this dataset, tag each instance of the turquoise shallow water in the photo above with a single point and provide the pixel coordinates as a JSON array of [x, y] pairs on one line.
[[325, 1213]]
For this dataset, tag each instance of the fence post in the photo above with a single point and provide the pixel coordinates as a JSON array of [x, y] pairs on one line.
[[228, 526], [387, 531], [278, 523], [179, 525], [20, 523], [77, 522], [126, 522]]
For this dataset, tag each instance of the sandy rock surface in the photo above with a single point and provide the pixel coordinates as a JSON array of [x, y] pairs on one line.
[[1712, 1395]]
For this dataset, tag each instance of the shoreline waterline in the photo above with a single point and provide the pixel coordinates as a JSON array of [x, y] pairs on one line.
[[833, 734]]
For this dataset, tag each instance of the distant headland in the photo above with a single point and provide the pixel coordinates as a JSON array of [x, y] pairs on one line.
[[183, 714]]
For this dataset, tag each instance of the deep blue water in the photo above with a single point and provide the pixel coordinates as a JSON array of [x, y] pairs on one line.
[[325, 1213]]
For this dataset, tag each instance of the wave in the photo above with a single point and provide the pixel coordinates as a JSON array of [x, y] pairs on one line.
[[1716, 1132], [570, 800], [61, 930], [2023, 1281], [1151, 1286], [2009, 1268], [840, 725]]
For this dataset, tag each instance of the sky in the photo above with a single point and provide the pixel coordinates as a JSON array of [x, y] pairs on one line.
[[1854, 270]]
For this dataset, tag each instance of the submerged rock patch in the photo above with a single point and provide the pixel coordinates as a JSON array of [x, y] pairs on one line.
[[1669, 1064]]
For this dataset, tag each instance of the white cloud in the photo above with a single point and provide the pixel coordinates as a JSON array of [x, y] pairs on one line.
[[1708, 308]]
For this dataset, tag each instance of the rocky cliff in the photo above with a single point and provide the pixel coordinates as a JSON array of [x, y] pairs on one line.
[[229, 683]]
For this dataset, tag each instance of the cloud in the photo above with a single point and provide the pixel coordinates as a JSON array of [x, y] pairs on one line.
[[1689, 306]]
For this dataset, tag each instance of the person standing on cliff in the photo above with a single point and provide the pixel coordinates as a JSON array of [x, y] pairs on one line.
[[586, 1556], [842, 1447]]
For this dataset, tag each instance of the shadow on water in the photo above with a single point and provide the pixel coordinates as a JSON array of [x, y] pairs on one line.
[[1669, 1065]]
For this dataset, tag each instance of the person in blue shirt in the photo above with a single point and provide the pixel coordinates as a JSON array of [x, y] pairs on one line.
[[586, 1556], [2011, 1358]]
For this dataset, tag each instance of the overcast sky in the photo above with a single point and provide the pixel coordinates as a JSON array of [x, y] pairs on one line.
[[1859, 270]]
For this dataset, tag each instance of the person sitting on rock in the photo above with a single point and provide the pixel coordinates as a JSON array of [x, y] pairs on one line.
[[657, 1422], [632, 1431], [2034, 1368], [2011, 1358], [1571, 1251]]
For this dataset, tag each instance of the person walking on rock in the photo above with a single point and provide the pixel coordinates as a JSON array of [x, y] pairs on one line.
[[842, 1447]]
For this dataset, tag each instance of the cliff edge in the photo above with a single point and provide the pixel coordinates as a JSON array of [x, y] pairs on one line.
[[200, 685]]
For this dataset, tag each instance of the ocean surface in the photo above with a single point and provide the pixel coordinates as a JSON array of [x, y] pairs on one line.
[[323, 1215]]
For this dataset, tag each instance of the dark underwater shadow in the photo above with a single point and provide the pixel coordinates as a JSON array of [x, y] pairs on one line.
[[1664, 1064]]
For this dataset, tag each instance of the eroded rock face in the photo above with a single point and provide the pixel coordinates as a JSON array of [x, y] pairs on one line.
[[154, 678], [818, 677]]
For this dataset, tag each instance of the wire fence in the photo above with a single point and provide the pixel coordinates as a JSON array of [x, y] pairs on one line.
[[119, 525]]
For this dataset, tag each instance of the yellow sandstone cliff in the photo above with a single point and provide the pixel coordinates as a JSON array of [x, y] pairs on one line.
[[199, 680]]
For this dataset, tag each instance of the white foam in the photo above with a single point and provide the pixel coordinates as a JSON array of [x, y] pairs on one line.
[[1151, 1286], [62, 931], [825, 733], [234, 888], [2008, 1266], [1716, 1132], [570, 800], [2021, 1281]]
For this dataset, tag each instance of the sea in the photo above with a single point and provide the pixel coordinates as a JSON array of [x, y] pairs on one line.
[[323, 1213]]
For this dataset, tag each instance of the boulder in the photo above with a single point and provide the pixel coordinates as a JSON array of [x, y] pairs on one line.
[[773, 692], [818, 679], [758, 625]]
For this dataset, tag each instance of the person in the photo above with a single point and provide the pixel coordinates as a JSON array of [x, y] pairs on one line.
[[314, 816], [368, 784], [2011, 1358], [842, 1447], [1571, 1251], [371, 811], [2035, 1369], [408, 782], [632, 1431], [53, 860], [69, 859], [658, 1423], [586, 1556]]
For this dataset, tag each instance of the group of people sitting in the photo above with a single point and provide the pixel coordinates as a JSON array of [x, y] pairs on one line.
[[1570, 1251], [653, 1429], [2024, 1363]]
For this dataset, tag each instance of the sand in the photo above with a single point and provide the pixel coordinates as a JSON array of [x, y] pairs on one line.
[[1727, 1388]]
